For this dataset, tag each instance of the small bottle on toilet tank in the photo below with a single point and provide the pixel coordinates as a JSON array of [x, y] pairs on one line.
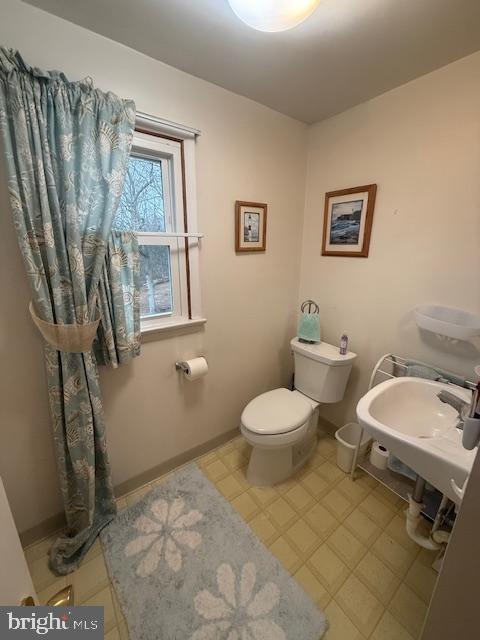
[[343, 344]]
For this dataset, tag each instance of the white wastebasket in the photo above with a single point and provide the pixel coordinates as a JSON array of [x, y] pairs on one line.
[[347, 440]]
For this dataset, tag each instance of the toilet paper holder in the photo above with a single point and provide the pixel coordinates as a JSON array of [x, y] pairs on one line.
[[192, 369]]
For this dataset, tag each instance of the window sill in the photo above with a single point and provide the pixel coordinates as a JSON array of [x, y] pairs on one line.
[[165, 327]]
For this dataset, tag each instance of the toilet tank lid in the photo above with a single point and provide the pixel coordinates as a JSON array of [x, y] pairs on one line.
[[323, 352]]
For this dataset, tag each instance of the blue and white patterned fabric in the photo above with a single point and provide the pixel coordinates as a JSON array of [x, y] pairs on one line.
[[67, 146], [118, 337]]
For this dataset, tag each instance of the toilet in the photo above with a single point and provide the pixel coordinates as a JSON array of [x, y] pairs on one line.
[[281, 425]]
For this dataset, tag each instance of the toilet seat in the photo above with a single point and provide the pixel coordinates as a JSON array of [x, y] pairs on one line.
[[276, 412]]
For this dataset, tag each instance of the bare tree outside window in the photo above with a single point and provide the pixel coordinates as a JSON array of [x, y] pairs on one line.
[[142, 208]]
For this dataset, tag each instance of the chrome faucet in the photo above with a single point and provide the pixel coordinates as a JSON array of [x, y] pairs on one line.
[[457, 403]]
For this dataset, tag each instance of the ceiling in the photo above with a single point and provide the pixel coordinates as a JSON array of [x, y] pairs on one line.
[[347, 52]]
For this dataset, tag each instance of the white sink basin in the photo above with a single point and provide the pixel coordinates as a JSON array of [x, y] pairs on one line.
[[406, 416]]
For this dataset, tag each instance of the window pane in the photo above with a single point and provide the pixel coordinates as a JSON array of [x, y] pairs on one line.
[[142, 207], [156, 294]]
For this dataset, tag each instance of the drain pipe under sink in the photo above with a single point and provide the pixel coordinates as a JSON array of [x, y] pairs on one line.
[[414, 518]]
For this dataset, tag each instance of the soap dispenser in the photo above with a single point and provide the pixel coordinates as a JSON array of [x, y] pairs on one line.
[[343, 345]]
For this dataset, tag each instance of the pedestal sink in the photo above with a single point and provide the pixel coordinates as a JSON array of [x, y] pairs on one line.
[[406, 416]]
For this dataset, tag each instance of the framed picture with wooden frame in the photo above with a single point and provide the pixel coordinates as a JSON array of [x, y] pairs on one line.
[[347, 223], [250, 226]]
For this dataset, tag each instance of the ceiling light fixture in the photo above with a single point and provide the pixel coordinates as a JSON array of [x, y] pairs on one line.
[[273, 15]]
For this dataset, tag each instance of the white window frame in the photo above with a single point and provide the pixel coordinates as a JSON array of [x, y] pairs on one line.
[[174, 146]]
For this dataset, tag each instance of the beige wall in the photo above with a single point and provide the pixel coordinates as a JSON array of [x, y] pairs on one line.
[[247, 152], [421, 144]]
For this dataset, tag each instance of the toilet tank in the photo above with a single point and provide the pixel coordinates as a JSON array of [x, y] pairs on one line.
[[321, 372]]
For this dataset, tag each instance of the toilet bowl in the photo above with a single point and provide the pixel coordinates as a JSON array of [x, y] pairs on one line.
[[281, 425]]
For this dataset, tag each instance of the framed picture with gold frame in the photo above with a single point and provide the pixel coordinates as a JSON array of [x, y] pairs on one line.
[[250, 226], [347, 222]]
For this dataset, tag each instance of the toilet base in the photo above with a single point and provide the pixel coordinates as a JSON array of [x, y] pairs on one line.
[[268, 467]]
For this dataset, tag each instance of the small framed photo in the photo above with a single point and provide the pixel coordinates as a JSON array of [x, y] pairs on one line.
[[250, 226], [347, 223]]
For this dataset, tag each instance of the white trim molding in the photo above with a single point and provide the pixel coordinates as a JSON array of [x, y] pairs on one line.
[[166, 127], [163, 327], [186, 138]]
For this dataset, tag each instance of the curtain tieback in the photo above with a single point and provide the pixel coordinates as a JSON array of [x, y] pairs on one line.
[[72, 338]]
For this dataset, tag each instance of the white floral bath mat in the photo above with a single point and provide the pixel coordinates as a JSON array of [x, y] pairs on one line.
[[186, 567]]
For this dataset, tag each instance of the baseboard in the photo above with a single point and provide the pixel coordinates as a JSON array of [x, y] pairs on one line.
[[55, 523], [173, 463], [325, 426], [42, 530]]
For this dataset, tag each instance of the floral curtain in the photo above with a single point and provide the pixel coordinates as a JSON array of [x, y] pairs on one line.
[[67, 147], [118, 338]]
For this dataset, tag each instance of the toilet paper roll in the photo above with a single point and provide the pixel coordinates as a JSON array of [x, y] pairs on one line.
[[196, 368], [379, 456]]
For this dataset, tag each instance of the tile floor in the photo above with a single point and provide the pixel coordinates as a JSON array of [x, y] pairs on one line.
[[344, 542]]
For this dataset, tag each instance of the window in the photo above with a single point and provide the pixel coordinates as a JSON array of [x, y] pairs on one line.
[[154, 203]]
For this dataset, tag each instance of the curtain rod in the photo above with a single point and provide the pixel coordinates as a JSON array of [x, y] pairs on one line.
[[166, 126]]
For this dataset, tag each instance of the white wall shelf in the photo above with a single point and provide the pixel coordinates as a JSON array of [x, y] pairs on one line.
[[448, 321]]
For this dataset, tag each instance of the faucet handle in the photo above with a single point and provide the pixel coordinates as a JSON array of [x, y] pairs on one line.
[[453, 400]]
